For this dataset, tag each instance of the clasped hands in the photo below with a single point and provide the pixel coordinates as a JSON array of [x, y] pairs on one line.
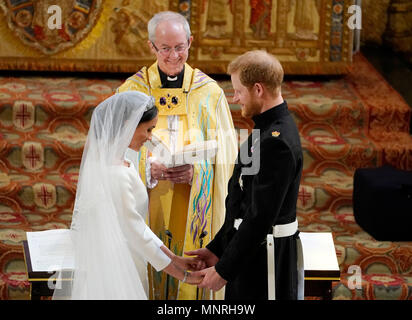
[[180, 174], [202, 266]]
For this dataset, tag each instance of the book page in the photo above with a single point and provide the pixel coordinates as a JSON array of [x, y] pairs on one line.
[[157, 145], [50, 250], [200, 145], [160, 151], [189, 154], [318, 251], [196, 152]]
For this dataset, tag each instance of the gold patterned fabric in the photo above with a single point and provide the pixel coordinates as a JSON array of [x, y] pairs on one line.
[[308, 37], [170, 101]]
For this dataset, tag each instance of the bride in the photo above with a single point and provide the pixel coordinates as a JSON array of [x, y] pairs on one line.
[[112, 243]]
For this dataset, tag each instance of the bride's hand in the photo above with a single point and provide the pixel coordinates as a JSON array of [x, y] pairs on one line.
[[158, 171], [192, 264]]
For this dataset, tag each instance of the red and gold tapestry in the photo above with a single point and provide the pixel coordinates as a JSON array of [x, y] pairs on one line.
[[308, 37]]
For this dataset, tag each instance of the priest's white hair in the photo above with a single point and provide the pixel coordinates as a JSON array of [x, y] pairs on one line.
[[167, 16]]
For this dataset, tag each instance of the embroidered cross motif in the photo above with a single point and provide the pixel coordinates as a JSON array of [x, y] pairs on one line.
[[304, 196], [23, 115], [32, 156], [45, 196]]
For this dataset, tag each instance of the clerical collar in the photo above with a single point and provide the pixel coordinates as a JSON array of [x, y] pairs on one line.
[[170, 82], [266, 118]]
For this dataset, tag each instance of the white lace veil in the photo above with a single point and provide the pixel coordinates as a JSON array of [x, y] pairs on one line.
[[104, 267]]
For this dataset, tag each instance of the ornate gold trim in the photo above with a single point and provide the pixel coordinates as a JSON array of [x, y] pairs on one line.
[[322, 278], [170, 101]]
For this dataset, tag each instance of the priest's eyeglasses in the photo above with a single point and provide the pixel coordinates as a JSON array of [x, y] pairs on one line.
[[165, 51]]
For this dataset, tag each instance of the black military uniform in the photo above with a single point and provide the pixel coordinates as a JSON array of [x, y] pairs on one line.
[[262, 200]]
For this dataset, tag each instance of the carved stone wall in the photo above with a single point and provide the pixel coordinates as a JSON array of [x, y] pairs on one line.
[[308, 36]]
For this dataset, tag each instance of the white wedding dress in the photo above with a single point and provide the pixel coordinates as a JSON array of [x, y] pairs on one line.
[[144, 245], [111, 242]]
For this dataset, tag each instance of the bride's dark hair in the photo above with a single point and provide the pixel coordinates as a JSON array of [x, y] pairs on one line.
[[119, 115], [149, 114]]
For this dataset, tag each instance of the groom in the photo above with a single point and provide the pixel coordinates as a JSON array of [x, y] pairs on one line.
[[260, 219]]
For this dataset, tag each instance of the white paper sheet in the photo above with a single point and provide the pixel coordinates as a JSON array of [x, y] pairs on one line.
[[318, 251], [50, 250]]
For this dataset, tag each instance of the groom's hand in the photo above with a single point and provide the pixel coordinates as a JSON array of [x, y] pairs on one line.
[[192, 264], [212, 280], [205, 255]]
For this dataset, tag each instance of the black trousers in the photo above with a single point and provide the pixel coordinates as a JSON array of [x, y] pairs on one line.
[[252, 280]]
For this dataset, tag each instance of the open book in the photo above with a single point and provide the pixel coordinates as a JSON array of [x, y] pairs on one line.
[[50, 250], [319, 252], [189, 154]]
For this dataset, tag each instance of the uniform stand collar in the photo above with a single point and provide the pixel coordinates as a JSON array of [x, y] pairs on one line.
[[264, 119]]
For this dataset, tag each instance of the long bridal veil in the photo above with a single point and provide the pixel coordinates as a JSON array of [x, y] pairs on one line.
[[103, 265]]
